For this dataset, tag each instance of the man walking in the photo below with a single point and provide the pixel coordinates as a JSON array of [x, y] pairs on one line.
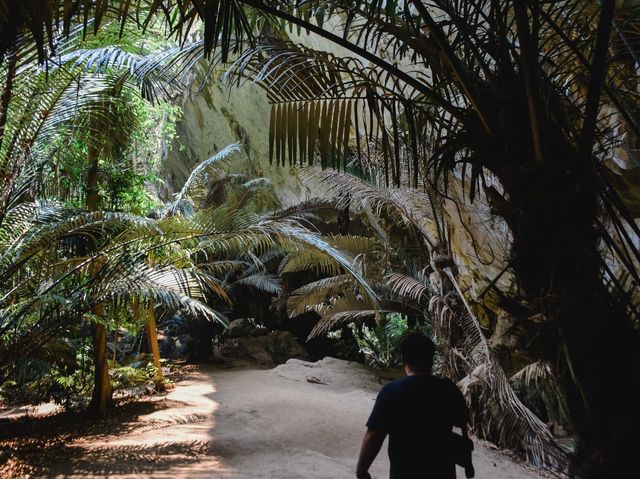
[[418, 413]]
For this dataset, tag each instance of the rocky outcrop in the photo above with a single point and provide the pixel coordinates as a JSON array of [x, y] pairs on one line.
[[239, 327], [215, 116], [274, 348], [333, 373]]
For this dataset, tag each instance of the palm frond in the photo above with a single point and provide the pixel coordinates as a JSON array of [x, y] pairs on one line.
[[267, 283], [310, 261], [312, 294], [407, 286], [155, 74], [407, 208], [199, 176], [304, 208], [342, 318], [517, 424]]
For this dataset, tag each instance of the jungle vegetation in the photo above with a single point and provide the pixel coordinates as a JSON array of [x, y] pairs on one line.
[[515, 109]]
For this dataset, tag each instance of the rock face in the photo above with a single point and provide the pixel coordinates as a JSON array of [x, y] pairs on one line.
[[273, 348], [215, 116]]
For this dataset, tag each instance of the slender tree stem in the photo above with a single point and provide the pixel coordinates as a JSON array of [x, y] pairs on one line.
[[152, 343], [101, 399]]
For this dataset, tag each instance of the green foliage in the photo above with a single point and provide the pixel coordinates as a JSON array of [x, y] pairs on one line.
[[381, 344], [124, 172], [126, 190], [32, 384], [73, 389], [124, 377], [56, 261], [132, 38], [64, 377], [195, 261], [43, 380]]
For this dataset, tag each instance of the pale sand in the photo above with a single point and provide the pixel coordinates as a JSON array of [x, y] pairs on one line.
[[252, 423]]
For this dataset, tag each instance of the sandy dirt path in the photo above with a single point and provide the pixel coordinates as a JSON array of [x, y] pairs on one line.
[[251, 423]]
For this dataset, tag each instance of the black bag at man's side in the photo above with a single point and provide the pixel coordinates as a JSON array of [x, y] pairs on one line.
[[461, 448]]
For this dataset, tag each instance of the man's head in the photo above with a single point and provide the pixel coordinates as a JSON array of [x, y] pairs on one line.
[[417, 352]]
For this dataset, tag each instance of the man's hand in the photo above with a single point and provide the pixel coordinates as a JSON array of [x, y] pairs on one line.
[[371, 445]]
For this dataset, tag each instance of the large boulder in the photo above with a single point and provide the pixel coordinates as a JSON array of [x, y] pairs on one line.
[[239, 328], [274, 348], [332, 373]]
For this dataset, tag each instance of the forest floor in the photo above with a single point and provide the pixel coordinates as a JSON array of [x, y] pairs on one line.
[[299, 420]]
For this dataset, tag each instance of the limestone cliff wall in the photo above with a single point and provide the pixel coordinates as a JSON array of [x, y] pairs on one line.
[[215, 116]]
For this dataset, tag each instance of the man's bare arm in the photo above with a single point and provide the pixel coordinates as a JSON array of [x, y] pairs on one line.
[[371, 445]]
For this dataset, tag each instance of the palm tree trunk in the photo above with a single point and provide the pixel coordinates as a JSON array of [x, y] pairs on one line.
[[585, 332], [559, 265], [102, 396], [152, 343]]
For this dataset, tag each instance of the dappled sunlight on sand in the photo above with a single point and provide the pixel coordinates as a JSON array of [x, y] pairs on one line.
[[176, 442], [227, 424], [192, 421], [170, 437]]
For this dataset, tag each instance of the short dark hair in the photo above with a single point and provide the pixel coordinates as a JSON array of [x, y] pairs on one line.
[[417, 351]]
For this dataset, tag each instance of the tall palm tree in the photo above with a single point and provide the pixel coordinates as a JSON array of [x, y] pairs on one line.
[[413, 271], [502, 97]]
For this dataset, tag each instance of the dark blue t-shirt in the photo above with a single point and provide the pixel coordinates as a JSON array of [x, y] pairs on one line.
[[418, 412]]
